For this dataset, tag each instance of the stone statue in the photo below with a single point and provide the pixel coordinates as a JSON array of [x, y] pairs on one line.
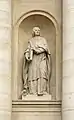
[[36, 67]]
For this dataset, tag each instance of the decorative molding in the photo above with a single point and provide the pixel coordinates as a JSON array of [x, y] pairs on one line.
[[38, 12], [36, 106]]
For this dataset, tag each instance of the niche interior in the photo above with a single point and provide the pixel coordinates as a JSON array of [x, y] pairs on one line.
[[21, 37]]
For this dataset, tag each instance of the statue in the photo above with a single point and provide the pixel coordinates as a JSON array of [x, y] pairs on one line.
[[37, 66]]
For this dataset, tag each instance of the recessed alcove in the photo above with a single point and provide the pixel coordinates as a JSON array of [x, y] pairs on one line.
[[25, 33], [21, 34]]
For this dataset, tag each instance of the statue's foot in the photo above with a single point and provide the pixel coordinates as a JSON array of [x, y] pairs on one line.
[[40, 94]]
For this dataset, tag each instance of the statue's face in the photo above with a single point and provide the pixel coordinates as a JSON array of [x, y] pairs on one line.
[[36, 31]]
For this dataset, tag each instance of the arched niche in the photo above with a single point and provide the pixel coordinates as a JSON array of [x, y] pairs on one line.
[[21, 34]]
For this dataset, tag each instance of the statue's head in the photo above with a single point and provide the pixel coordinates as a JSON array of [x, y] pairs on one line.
[[36, 31]]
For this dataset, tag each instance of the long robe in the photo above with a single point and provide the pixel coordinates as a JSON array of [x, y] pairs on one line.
[[36, 72]]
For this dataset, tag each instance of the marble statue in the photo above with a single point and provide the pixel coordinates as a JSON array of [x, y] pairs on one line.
[[36, 67]]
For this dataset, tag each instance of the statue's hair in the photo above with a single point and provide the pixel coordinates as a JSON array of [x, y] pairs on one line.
[[33, 33]]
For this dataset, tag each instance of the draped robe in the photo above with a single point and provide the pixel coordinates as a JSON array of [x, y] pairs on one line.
[[36, 71]]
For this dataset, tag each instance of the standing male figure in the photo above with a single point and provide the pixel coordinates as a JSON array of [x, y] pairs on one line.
[[36, 67]]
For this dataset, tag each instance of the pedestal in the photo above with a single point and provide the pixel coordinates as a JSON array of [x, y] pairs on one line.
[[35, 97]]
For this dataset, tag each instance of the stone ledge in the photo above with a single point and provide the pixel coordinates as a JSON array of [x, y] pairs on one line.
[[34, 106], [24, 102]]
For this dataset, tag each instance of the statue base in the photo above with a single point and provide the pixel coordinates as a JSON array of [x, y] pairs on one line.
[[35, 97]]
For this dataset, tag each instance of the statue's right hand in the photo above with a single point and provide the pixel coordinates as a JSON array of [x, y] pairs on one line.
[[27, 58]]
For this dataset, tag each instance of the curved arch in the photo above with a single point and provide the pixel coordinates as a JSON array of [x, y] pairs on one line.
[[38, 12]]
